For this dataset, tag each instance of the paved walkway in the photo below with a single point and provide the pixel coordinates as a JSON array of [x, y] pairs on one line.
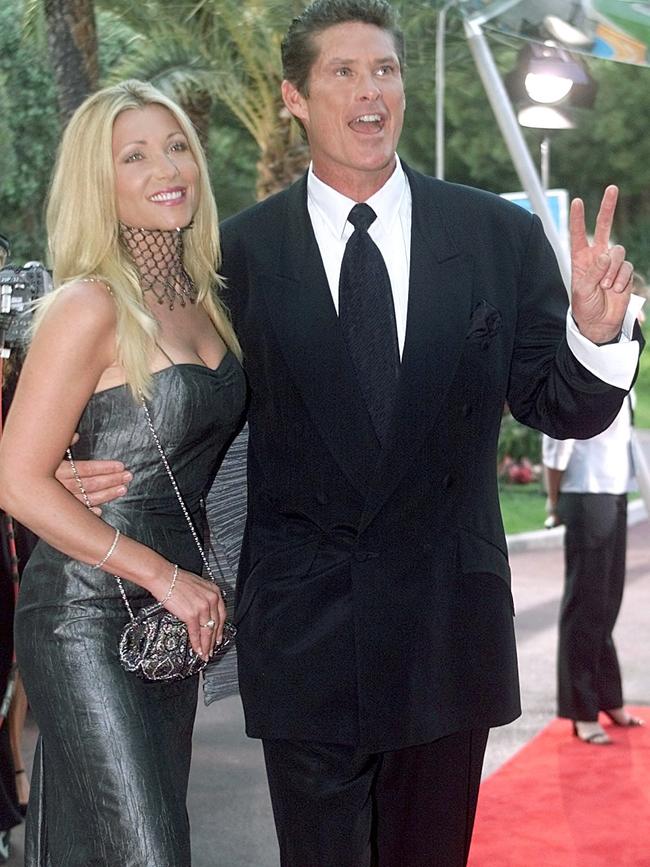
[[228, 803]]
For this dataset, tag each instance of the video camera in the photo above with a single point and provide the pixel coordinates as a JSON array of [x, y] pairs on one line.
[[19, 287]]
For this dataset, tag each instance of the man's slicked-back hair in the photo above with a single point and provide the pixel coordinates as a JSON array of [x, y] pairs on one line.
[[299, 50]]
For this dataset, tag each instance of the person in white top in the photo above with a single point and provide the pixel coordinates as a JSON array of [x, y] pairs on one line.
[[587, 483]]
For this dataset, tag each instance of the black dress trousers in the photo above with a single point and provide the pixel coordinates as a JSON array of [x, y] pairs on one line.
[[589, 677], [336, 806]]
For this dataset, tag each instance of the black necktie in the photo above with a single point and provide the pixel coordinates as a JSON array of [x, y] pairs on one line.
[[367, 317]]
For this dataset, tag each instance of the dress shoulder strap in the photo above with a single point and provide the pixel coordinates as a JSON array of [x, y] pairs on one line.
[[167, 356]]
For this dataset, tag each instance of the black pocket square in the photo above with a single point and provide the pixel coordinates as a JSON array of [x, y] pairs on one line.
[[484, 323]]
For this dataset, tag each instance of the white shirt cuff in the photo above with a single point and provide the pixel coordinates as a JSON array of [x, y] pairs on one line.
[[614, 363]]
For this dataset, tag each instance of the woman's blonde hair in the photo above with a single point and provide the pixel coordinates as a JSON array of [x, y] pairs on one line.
[[83, 226]]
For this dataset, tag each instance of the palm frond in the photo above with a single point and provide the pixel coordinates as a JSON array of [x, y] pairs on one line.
[[33, 23]]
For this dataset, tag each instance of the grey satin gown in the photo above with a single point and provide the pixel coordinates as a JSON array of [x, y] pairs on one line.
[[112, 763]]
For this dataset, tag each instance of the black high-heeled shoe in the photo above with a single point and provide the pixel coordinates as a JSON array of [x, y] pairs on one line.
[[598, 739], [632, 721]]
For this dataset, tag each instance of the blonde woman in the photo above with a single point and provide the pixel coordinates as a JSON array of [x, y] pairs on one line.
[[134, 242]]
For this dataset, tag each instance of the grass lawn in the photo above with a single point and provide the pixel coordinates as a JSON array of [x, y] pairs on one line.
[[522, 507]]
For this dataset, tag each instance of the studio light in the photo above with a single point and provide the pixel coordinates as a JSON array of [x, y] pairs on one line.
[[546, 73], [541, 87], [546, 83], [544, 117]]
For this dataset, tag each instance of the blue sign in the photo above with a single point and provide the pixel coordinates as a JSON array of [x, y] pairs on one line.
[[558, 203]]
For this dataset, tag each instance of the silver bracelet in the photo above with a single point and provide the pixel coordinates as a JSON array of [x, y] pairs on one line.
[[86, 500], [171, 586], [109, 552]]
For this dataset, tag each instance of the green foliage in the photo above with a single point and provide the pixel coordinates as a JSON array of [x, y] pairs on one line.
[[611, 143], [29, 130], [8, 159], [232, 157], [518, 441], [637, 243], [114, 38], [475, 151]]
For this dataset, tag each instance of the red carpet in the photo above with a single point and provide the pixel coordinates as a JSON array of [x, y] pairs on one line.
[[561, 803]]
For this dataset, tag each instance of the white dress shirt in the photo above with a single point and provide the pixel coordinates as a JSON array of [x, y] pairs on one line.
[[391, 232], [599, 465], [328, 210]]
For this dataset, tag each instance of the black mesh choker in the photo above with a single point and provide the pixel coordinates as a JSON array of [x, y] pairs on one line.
[[158, 256]]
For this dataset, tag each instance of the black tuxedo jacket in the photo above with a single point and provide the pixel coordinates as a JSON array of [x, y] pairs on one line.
[[373, 600]]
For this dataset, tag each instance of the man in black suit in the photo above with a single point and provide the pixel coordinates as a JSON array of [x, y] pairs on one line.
[[376, 644]]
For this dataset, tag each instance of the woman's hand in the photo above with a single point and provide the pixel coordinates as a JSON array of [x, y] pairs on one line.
[[196, 602]]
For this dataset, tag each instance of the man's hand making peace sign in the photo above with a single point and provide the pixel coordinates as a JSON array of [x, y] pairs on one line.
[[601, 278]]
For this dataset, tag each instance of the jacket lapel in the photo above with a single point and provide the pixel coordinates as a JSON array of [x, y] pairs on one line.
[[304, 319], [439, 308]]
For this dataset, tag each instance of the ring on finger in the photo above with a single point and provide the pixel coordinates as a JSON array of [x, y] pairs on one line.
[[209, 625]]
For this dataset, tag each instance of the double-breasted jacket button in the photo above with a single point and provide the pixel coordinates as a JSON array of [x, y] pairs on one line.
[[363, 556]]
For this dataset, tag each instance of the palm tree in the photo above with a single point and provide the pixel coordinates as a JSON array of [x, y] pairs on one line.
[[210, 52], [72, 45]]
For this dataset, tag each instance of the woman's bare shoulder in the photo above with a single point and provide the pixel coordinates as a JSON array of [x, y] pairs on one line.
[[84, 302]]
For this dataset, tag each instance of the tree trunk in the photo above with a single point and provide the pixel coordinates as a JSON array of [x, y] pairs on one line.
[[198, 108], [284, 159], [72, 44]]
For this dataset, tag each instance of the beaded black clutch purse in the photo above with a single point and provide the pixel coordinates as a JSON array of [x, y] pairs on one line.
[[155, 645]]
